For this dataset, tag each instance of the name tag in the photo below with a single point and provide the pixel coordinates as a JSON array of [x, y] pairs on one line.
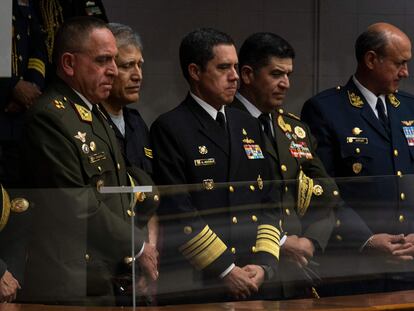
[[97, 157], [357, 140], [253, 151], [204, 162]]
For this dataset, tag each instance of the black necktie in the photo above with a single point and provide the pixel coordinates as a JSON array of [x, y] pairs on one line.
[[265, 120], [221, 120], [381, 115]]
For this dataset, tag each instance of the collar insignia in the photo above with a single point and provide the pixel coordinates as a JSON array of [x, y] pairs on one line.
[[355, 100], [393, 100]]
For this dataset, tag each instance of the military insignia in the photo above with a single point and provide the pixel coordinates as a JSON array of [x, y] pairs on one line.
[[253, 152], [92, 146], [293, 116], [283, 125], [59, 104], [288, 135], [409, 134], [244, 132], [204, 162], [19, 205], [247, 140], [81, 136], [260, 182], [317, 190], [85, 148], [357, 167], [356, 131], [208, 184], [408, 123], [300, 132], [355, 100], [300, 150], [83, 113], [202, 149], [97, 157], [148, 153], [357, 140], [393, 100], [305, 192]]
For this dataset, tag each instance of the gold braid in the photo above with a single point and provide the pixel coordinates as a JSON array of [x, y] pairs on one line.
[[52, 17]]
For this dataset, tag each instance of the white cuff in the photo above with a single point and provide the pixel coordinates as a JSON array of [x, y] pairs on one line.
[[227, 271], [141, 251]]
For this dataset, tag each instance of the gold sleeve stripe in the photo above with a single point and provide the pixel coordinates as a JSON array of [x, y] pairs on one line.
[[275, 239], [202, 243], [269, 227], [37, 64], [268, 240], [209, 255], [264, 245], [195, 239], [148, 153]]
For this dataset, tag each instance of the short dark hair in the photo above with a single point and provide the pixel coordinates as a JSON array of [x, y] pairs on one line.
[[197, 47], [370, 40], [259, 47], [73, 34]]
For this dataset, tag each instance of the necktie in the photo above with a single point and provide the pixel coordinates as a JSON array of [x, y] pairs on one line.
[[381, 115], [264, 118], [221, 120]]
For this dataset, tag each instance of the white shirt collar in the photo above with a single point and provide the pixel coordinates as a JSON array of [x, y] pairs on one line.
[[87, 102], [208, 108], [252, 109], [369, 96]]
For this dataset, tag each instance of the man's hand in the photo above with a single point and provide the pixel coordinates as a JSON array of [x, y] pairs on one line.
[[406, 252], [8, 287], [240, 284], [298, 250], [25, 93], [393, 245], [149, 261], [256, 274]]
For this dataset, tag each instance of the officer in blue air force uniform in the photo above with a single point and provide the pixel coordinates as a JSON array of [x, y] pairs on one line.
[[221, 232], [365, 130]]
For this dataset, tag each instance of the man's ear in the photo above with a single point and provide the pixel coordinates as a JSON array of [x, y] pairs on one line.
[[67, 62], [246, 74], [370, 59], [194, 71]]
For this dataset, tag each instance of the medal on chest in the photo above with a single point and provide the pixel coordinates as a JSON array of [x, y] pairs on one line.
[[253, 151]]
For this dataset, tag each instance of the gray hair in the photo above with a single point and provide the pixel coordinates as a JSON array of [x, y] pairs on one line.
[[124, 35]]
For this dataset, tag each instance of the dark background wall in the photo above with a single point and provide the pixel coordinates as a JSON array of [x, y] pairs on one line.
[[322, 32]]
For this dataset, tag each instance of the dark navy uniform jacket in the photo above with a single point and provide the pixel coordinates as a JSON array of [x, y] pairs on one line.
[[378, 167], [221, 217]]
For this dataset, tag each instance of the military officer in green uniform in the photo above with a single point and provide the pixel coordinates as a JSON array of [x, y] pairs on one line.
[[79, 234]]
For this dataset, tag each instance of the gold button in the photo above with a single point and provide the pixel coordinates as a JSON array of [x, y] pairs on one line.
[[234, 220], [286, 189], [338, 87], [118, 166], [396, 152], [156, 198], [399, 173], [99, 168], [402, 196], [338, 222], [233, 250], [87, 257], [130, 213], [287, 212], [128, 260], [283, 168], [338, 237], [253, 249], [140, 196], [401, 218], [335, 192], [188, 230], [231, 188], [252, 188], [254, 218], [280, 110], [357, 150]]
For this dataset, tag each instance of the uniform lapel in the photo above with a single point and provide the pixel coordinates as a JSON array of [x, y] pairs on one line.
[[366, 111], [208, 126]]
